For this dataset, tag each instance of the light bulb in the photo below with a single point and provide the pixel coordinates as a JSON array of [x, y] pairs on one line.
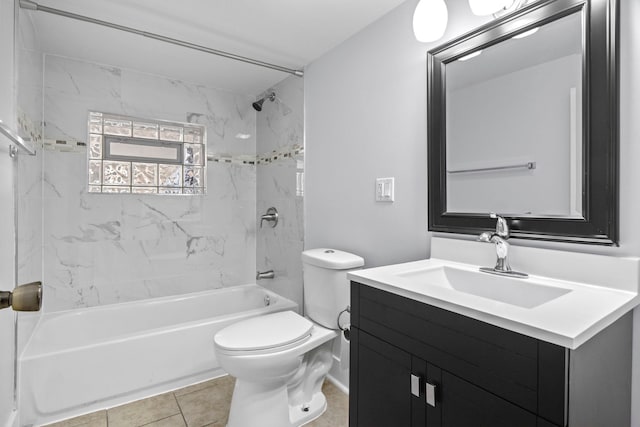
[[488, 7], [430, 20], [471, 55], [526, 33]]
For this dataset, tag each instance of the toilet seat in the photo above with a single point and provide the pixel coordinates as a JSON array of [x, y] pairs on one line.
[[264, 334]]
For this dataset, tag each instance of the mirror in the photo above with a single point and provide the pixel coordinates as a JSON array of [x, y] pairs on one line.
[[494, 139], [523, 122]]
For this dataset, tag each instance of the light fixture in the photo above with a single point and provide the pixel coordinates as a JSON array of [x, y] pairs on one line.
[[430, 17], [488, 7], [471, 55], [526, 33], [430, 20]]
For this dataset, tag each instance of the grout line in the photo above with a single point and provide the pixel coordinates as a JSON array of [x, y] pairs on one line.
[[180, 408], [159, 419]]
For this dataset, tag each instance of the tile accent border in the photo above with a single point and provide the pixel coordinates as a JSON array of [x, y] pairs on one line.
[[237, 159], [280, 155]]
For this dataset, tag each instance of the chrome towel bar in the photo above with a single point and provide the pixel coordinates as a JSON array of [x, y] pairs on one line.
[[16, 139], [528, 165]]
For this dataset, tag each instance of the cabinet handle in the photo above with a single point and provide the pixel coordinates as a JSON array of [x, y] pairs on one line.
[[431, 394], [415, 385]]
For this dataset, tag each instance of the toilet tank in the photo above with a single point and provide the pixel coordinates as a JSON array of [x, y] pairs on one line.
[[326, 287]]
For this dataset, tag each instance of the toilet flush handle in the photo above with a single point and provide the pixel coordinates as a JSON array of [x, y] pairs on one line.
[[346, 331]]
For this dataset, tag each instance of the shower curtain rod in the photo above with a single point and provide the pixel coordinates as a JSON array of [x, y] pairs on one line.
[[28, 4]]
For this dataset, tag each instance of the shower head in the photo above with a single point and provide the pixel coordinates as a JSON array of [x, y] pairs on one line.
[[258, 104]]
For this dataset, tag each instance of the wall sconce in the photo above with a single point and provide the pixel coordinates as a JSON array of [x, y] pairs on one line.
[[430, 20], [489, 7], [26, 297], [430, 17], [471, 55]]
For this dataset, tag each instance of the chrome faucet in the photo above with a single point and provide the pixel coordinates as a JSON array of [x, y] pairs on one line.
[[499, 237], [271, 216]]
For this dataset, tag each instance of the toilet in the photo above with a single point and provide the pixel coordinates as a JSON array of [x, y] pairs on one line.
[[280, 360]]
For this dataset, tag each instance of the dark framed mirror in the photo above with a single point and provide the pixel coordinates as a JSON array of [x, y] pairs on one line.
[[523, 121]]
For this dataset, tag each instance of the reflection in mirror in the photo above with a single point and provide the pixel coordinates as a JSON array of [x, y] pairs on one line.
[[514, 124]]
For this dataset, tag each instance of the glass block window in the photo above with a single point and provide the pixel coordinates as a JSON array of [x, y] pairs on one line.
[[142, 156]]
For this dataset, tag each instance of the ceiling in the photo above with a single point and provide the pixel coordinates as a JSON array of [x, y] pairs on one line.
[[289, 33]]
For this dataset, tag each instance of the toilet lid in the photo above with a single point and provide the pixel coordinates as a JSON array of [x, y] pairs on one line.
[[263, 332]]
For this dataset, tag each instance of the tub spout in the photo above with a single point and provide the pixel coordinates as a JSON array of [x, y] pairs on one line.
[[269, 274]]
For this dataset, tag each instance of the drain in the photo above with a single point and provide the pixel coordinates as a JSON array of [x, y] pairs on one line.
[[305, 408]]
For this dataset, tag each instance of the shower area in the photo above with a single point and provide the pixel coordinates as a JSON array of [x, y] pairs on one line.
[[98, 253]]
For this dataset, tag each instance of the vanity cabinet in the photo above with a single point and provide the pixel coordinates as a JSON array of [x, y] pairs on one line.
[[413, 364]]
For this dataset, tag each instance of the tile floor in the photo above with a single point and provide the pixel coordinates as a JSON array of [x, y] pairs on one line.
[[201, 405]]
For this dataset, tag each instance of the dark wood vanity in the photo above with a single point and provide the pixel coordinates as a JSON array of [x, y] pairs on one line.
[[413, 364]]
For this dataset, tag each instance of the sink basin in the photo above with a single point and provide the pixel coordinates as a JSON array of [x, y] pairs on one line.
[[525, 293]]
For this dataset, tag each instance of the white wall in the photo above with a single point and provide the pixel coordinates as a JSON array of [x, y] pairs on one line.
[[7, 280], [365, 105], [629, 158]]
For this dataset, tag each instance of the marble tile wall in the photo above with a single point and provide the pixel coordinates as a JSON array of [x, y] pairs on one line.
[[107, 248], [280, 133], [29, 168]]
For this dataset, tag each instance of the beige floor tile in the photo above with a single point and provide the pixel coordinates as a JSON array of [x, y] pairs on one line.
[[202, 405], [337, 413], [174, 421], [95, 419], [143, 411], [209, 405], [206, 384]]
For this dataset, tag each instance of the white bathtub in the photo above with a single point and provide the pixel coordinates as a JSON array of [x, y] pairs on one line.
[[82, 360]]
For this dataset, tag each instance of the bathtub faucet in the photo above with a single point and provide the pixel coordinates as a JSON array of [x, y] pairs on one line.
[[269, 274]]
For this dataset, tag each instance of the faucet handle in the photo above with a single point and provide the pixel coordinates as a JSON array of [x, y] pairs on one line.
[[271, 216], [502, 228]]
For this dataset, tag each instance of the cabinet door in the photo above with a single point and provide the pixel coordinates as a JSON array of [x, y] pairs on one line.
[[464, 404], [381, 383]]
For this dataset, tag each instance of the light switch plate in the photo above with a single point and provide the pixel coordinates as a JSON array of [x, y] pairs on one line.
[[384, 189]]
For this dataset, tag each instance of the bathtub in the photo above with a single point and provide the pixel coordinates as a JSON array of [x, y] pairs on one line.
[[82, 360]]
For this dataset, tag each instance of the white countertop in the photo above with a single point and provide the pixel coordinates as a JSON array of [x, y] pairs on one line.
[[568, 320]]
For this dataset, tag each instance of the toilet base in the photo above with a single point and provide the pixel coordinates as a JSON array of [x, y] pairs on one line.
[[274, 389], [315, 408], [266, 406]]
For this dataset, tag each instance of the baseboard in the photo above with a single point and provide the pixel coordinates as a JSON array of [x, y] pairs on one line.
[[338, 376]]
